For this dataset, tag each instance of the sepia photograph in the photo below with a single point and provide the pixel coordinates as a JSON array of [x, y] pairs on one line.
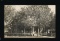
[[29, 21]]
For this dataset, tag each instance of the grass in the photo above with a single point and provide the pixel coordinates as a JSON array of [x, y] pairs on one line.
[[29, 37]]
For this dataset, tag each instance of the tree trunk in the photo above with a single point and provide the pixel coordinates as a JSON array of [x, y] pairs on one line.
[[38, 32], [30, 31], [33, 31], [24, 30], [16, 31], [41, 29]]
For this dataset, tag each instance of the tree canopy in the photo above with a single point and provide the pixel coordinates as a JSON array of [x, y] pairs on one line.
[[34, 15], [8, 14], [37, 15]]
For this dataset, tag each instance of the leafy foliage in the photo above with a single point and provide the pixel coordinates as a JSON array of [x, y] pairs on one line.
[[33, 15], [8, 13]]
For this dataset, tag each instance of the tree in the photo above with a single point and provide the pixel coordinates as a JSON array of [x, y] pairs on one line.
[[8, 16], [8, 13], [37, 15], [52, 25], [33, 15]]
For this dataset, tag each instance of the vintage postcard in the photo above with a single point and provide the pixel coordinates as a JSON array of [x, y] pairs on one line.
[[29, 21]]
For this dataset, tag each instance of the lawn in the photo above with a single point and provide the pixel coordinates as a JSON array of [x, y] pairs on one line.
[[29, 37]]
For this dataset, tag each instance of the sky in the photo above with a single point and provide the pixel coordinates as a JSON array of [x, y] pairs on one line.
[[18, 7], [53, 8]]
